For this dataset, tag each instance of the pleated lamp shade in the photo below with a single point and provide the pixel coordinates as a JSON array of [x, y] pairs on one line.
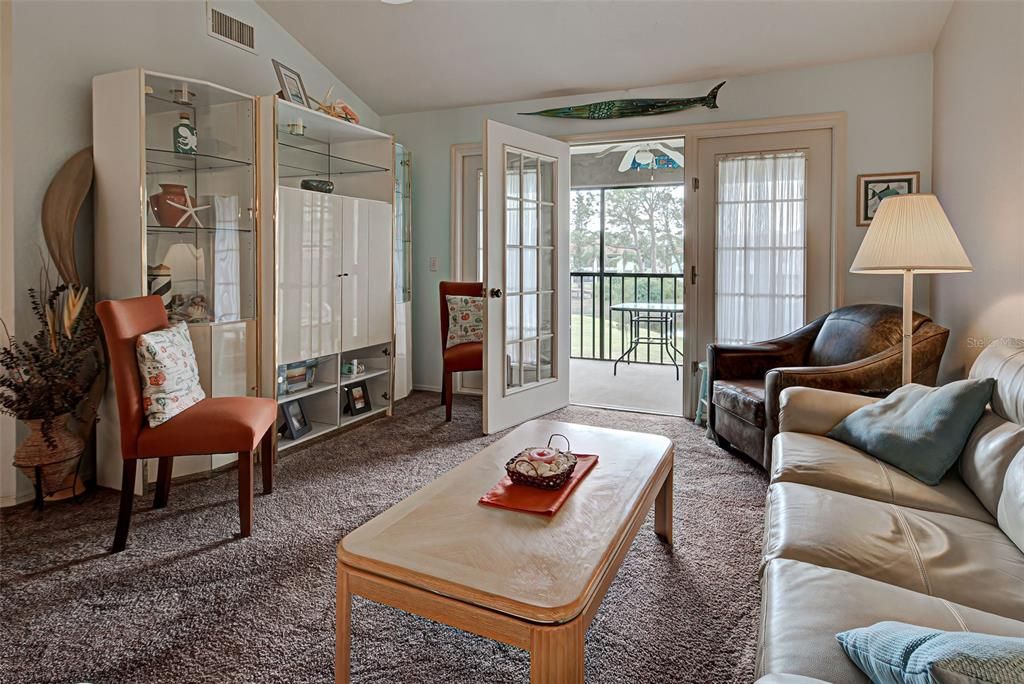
[[910, 233]]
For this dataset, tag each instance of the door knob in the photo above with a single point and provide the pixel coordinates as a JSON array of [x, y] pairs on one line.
[[496, 292]]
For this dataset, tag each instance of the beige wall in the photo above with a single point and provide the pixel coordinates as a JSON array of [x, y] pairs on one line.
[[978, 174]]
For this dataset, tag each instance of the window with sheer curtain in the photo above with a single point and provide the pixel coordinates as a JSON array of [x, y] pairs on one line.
[[760, 246]]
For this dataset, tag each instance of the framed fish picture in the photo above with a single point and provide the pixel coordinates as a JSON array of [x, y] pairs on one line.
[[875, 187]]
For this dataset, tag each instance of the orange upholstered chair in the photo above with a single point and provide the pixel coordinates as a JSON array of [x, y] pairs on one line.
[[213, 426], [468, 356]]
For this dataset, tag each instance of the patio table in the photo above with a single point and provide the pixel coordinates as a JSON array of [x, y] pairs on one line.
[[658, 314]]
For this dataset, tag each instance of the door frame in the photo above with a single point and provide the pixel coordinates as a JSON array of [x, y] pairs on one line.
[[9, 475], [693, 134], [459, 153]]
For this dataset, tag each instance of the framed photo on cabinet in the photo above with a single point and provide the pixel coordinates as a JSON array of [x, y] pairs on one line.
[[295, 421], [292, 87], [358, 398]]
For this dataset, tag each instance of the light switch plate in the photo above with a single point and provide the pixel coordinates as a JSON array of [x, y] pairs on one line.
[[433, 264]]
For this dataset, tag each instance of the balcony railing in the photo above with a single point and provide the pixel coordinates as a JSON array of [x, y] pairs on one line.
[[597, 332]]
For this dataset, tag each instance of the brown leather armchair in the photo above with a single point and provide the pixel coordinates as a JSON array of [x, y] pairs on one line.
[[854, 349]]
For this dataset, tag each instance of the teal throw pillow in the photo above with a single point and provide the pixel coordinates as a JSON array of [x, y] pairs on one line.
[[918, 429], [898, 653]]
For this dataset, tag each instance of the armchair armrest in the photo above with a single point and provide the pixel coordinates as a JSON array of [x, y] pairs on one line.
[[744, 361], [816, 411]]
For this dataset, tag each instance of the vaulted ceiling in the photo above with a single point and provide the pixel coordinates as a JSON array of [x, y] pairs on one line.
[[437, 54]]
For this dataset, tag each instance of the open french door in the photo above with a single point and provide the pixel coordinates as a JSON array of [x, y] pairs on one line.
[[526, 275]]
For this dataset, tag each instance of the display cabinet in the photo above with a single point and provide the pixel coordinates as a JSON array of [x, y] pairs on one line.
[[327, 317], [176, 215]]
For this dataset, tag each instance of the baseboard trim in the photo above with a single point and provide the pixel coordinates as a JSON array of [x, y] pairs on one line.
[[623, 409], [8, 501], [427, 388]]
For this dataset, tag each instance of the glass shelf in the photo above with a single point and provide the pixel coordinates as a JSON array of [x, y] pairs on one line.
[[307, 162], [166, 161], [214, 229]]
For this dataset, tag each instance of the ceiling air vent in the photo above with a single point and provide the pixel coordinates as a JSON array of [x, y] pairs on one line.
[[230, 30]]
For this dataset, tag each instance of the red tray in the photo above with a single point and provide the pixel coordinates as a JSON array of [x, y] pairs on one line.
[[515, 497]]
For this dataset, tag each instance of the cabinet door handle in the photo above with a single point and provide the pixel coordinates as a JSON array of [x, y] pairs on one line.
[[343, 275]]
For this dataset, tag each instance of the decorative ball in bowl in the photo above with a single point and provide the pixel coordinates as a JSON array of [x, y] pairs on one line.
[[545, 467]]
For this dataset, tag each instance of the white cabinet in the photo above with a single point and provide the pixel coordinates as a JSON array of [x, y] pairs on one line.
[[309, 266], [380, 297], [355, 251], [325, 263], [366, 268]]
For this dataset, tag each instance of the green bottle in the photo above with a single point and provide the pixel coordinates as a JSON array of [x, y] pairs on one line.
[[185, 139]]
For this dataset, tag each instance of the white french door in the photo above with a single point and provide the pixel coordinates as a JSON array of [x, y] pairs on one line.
[[765, 255], [526, 275]]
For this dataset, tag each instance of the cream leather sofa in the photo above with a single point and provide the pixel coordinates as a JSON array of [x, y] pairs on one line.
[[851, 541]]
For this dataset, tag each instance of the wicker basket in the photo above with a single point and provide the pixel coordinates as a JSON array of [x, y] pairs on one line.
[[543, 481]]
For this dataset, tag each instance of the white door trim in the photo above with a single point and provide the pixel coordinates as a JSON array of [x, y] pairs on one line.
[[693, 133], [8, 426], [459, 153]]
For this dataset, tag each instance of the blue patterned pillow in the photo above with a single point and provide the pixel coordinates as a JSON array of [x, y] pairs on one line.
[[918, 429], [898, 653]]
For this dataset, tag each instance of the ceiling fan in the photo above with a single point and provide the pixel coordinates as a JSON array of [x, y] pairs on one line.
[[643, 153]]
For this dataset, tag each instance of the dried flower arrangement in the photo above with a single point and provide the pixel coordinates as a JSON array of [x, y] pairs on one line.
[[49, 375]]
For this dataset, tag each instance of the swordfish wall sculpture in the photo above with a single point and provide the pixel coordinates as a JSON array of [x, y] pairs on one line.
[[620, 109]]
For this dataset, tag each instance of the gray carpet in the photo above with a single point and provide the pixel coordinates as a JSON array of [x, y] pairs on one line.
[[188, 602]]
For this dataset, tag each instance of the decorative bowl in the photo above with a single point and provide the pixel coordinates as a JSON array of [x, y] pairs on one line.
[[544, 467]]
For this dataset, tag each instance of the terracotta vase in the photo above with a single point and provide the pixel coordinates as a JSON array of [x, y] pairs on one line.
[[57, 462], [167, 214]]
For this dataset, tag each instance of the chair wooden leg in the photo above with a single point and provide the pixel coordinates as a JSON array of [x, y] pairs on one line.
[[245, 491], [163, 482], [268, 453], [124, 515], [444, 384], [448, 397]]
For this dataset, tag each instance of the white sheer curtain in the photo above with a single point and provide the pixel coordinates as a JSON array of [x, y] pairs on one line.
[[760, 246]]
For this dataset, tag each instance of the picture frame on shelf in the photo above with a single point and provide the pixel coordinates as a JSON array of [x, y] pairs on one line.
[[291, 84], [295, 422], [357, 399], [872, 188], [295, 377]]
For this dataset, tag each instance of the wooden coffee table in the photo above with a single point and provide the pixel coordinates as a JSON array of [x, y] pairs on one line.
[[526, 580]]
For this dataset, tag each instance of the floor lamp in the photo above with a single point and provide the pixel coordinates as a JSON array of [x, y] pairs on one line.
[[910, 234]]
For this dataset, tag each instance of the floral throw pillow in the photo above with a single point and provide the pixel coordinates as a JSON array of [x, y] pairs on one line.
[[170, 374], [465, 320]]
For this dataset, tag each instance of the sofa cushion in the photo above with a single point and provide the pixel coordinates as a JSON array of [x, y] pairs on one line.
[[743, 398], [823, 462], [919, 429], [804, 606], [1011, 503], [897, 652], [938, 554], [993, 444]]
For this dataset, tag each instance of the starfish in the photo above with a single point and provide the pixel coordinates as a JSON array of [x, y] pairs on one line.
[[190, 211]]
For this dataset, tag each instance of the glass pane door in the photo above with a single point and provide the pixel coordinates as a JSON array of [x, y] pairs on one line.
[[529, 211], [760, 246]]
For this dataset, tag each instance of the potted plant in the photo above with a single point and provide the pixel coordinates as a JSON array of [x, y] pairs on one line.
[[45, 382]]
